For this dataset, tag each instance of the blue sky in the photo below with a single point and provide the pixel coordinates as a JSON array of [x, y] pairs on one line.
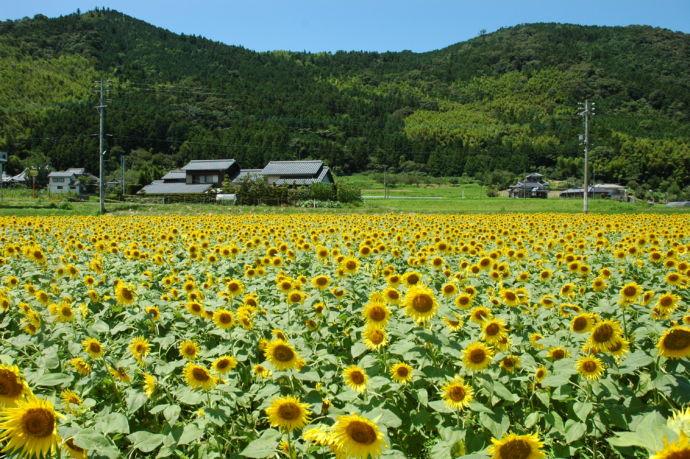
[[370, 25]]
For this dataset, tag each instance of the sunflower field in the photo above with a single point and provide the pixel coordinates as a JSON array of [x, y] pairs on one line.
[[504, 336]]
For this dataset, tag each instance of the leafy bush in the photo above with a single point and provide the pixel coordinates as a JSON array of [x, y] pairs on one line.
[[349, 193]]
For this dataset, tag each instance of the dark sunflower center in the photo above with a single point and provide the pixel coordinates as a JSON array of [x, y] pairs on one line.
[[9, 385], [677, 340], [377, 337], [126, 294], [480, 315], [449, 289], [412, 279], [558, 354], [361, 432], [464, 300], [492, 329], [289, 411], [38, 422], [508, 363], [351, 265], [377, 314], [603, 333], [393, 295], [321, 281], [477, 356], [515, 449], [589, 366], [223, 364], [629, 291], [402, 372], [141, 348], [95, 348], [66, 311], [357, 377], [200, 374], [510, 296], [457, 393], [665, 301], [580, 323], [617, 346], [422, 303], [283, 353]]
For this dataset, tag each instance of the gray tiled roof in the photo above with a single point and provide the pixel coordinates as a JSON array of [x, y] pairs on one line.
[[175, 175], [293, 167], [209, 165], [159, 187], [304, 181], [62, 174]]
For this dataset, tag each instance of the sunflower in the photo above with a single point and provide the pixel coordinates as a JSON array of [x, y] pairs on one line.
[[420, 303], [93, 347], [223, 318], [357, 437], [195, 308], [675, 343], [321, 282], [510, 363], [590, 367], [568, 290], [350, 265], [674, 278], [479, 314], [509, 297], [454, 324], [457, 394], [668, 302], [295, 297], [629, 293], [449, 289], [464, 300], [13, 387], [557, 353], [402, 373], [149, 385], [599, 284], [374, 337], [514, 446], [604, 335], [288, 413], [619, 348], [81, 366], [124, 294], [70, 400], [679, 449], [356, 378], [120, 373], [477, 357], [153, 312], [189, 350], [139, 347], [582, 323], [391, 295], [281, 355], [224, 364], [261, 371], [412, 278], [540, 373], [494, 330], [198, 377], [376, 313], [30, 426]]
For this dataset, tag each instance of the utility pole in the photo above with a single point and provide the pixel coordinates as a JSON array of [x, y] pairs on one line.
[[385, 185], [122, 161], [101, 145], [587, 110]]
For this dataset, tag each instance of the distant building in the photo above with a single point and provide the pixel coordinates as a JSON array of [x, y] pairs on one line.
[[73, 180], [198, 176], [246, 174], [602, 190], [533, 186], [298, 173]]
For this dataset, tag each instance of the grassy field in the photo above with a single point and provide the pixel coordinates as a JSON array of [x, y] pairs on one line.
[[461, 198]]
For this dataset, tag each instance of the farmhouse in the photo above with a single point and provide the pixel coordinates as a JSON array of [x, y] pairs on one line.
[[532, 186], [73, 180], [196, 177]]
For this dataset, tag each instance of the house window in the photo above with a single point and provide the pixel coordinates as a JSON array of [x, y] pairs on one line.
[[59, 187], [58, 179], [205, 178]]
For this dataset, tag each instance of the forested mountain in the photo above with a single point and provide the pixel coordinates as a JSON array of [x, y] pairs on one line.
[[505, 100]]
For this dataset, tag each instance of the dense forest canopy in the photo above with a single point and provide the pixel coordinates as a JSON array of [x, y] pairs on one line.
[[502, 101]]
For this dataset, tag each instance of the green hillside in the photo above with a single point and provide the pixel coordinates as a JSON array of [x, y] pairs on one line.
[[505, 100]]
